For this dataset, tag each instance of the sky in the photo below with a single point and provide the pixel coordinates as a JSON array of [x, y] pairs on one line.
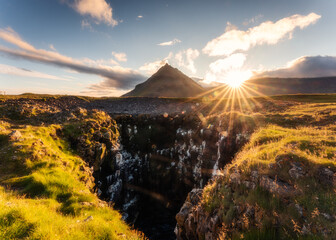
[[106, 47]]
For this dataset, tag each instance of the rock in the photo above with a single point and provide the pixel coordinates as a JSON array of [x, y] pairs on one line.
[[305, 230], [86, 203], [326, 176], [235, 178], [250, 211], [327, 216], [15, 135], [89, 218], [194, 196], [107, 136], [299, 209], [254, 176], [208, 236], [80, 111], [182, 215], [281, 188], [249, 184], [296, 171]]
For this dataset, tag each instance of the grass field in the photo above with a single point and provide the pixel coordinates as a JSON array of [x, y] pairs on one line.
[[45, 190]]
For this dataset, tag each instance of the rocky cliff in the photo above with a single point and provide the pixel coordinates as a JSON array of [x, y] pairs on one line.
[[280, 186], [159, 160]]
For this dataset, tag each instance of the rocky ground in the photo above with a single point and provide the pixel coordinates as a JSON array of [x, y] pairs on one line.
[[155, 151], [143, 105]]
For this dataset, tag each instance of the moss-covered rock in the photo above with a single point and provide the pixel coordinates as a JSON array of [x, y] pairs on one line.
[[280, 186]]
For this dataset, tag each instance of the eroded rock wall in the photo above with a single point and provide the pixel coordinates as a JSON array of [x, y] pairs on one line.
[[158, 162]]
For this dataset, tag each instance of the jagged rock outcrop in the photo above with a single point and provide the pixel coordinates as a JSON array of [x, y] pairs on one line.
[[159, 160], [278, 193], [93, 134]]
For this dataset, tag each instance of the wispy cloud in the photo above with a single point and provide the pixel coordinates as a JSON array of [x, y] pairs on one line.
[[170, 43], [266, 33], [11, 70], [116, 76], [306, 66], [152, 67], [253, 20], [51, 46], [186, 59], [121, 57], [86, 24], [99, 10]]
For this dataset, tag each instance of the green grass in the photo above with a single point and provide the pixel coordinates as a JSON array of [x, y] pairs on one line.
[[45, 191], [271, 151]]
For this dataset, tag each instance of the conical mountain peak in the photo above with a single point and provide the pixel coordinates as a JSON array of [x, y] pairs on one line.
[[167, 82]]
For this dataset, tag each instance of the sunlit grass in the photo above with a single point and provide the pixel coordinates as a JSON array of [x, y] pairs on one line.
[[271, 152], [45, 191]]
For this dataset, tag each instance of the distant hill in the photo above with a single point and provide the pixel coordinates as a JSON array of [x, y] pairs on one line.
[[276, 86], [167, 82]]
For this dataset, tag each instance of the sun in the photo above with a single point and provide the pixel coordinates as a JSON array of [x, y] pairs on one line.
[[236, 78]]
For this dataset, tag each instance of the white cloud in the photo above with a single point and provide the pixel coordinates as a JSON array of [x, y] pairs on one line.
[[186, 59], [170, 43], [266, 33], [121, 57], [115, 76], [228, 70], [152, 67], [51, 46], [183, 59], [11, 70], [306, 66], [99, 10], [139, 17]]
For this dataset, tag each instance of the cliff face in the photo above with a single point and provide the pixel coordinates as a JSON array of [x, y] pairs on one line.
[[280, 186], [159, 160]]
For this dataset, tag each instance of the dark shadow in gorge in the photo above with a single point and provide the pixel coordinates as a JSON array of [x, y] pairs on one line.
[[161, 160]]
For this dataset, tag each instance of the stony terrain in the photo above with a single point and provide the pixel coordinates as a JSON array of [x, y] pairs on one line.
[[26, 105], [260, 169]]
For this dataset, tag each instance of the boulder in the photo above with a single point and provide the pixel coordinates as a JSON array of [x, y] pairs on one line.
[[235, 177], [326, 176], [278, 187], [15, 135], [182, 215], [296, 171]]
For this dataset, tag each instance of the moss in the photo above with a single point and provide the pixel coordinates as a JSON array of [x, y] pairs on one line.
[[272, 151], [50, 198]]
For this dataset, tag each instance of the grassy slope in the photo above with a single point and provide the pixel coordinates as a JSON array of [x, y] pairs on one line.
[[304, 135], [44, 191]]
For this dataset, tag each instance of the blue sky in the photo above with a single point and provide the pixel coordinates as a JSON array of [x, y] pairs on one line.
[[106, 47]]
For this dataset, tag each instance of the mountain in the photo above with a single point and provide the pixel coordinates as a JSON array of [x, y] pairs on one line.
[[275, 86], [167, 82]]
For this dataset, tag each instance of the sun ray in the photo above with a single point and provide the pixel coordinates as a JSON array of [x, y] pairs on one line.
[[222, 98]]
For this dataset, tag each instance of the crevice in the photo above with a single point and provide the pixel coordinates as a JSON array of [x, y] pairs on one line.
[[158, 161]]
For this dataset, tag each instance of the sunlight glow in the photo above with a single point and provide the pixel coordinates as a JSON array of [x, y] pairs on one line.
[[236, 78]]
